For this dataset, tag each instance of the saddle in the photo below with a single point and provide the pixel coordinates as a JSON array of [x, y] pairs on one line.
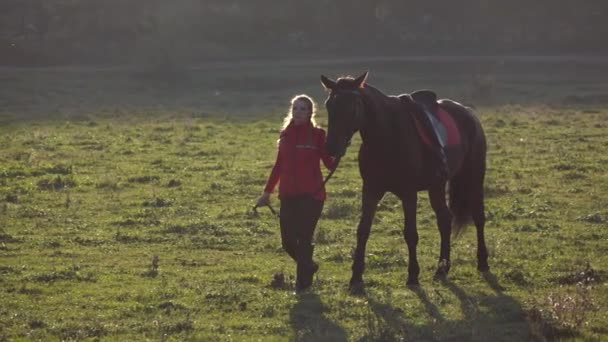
[[435, 126], [426, 99]]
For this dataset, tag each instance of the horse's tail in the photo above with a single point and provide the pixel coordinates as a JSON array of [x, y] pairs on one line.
[[466, 187]]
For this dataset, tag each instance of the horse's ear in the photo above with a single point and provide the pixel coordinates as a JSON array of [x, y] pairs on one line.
[[327, 83], [360, 81]]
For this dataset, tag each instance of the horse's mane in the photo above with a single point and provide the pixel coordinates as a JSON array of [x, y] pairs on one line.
[[374, 92]]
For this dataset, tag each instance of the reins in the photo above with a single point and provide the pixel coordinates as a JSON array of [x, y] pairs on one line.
[[331, 173]]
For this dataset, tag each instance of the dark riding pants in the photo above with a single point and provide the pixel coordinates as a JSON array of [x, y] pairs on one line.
[[299, 216]]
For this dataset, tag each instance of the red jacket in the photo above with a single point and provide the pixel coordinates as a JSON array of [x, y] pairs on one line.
[[298, 168]]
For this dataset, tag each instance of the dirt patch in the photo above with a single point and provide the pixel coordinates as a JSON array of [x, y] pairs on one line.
[[587, 276]]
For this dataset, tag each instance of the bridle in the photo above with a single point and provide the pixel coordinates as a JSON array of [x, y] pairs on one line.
[[358, 107]]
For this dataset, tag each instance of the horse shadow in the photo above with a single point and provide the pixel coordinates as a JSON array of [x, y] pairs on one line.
[[388, 323], [494, 317], [485, 316], [309, 323]]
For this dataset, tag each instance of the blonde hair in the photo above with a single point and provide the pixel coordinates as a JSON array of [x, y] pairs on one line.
[[311, 103]]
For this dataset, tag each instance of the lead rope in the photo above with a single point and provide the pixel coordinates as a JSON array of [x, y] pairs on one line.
[[331, 173]]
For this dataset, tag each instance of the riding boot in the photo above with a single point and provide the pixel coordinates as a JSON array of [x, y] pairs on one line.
[[306, 268]]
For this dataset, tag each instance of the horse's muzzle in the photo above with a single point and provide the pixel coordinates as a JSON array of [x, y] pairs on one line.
[[337, 151]]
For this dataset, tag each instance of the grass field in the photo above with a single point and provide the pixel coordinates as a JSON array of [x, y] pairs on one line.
[[125, 212]]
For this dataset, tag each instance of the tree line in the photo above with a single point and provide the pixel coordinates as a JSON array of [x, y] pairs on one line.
[[187, 31]]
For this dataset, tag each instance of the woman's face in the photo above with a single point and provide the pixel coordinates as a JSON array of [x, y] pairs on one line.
[[301, 112]]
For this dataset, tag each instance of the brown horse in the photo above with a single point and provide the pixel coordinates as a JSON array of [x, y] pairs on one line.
[[394, 158]]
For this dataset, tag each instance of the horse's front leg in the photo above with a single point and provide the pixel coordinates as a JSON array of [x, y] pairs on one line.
[[368, 210], [444, 223], [410, 233]]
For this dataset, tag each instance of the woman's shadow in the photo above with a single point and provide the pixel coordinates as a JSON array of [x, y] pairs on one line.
[[309, 323]]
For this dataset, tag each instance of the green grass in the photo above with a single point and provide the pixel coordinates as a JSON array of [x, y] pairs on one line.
[[126, 195], [87, 204]]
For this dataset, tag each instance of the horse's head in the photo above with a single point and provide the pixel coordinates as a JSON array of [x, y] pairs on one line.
[[345, 111]]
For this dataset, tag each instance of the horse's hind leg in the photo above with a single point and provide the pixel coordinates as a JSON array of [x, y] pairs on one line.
[[479, 218], [410, 233], [444, 223], [368, 210]]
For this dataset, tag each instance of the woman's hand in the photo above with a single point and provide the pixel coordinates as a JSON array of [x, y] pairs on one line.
[[263, 200], [334, 163]]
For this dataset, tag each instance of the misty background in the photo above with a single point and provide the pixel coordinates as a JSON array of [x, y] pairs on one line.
[[247, 58], [60, 32]]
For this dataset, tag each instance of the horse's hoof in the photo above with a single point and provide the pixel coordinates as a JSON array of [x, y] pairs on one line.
[[483, 268], [440, 276], [412, 282], [356, 288], [442, 272], [443, 268]]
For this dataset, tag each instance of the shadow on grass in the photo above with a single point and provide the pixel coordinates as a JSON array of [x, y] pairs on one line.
[[387, 323], [500, 317], [309, 322], [431, 308], [494, 317]]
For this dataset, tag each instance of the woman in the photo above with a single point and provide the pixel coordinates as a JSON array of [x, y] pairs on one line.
[[301, 146]]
